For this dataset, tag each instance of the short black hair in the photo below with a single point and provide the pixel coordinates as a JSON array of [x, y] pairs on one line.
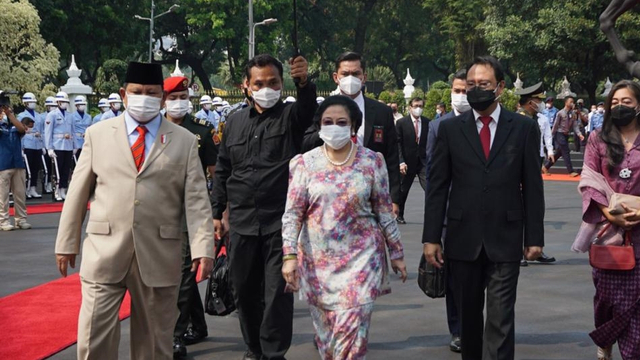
[[490, 61], [355, 115], [569, 97], [415, 98], [460, 75], [441, 104], [350, 56], [261, 61]]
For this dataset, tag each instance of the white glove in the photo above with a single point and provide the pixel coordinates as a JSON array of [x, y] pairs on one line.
[[75, 151], [52, 153], [44, 151]]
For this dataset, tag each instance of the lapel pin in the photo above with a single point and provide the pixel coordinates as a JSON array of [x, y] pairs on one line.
[[163, 139]]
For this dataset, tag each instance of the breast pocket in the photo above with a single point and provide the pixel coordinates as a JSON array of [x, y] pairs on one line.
[[237, 148], [274, 146]]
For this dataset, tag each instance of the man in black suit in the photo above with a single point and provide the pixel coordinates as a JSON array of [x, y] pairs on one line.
[[377, 132], [487, 161], [412, 149]]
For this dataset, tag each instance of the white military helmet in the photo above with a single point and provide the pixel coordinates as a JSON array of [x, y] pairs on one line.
[[62, 96], [319, 100], [114, 98], [50, 101], [103, 103], [29, 98], [217, 101], [225, 103], [205, 99], [289, 99], [80, 100]]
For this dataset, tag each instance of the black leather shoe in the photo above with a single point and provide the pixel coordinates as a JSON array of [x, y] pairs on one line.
[[193, 336], [524, 262], [454, 345], [250, 355], [400, 220], [179, 350], [544, 259]]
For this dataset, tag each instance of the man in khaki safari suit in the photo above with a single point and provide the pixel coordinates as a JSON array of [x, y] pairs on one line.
[[140, 173]]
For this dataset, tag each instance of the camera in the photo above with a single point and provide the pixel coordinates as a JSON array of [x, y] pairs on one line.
[[4, 97]]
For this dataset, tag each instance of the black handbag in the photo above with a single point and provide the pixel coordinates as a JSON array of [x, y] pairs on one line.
[[431, 280], [218, 299]]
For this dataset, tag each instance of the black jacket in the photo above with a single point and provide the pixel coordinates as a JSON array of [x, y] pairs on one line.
[[411, 153], [252, 173], [379, 136], [496, 203]]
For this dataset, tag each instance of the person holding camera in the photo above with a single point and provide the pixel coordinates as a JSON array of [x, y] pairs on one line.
[[12, 170]]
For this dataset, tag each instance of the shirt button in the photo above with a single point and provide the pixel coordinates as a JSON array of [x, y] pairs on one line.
[[138, 180], [255, 137], [135, 224], [136, 202], [486, 171]]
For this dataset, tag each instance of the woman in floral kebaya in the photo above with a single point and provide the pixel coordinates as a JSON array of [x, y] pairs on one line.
[[337, 226]]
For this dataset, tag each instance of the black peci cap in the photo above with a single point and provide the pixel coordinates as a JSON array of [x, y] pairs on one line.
[[144, 73]]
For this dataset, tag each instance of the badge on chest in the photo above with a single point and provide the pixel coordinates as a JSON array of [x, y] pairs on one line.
[[378, 134]]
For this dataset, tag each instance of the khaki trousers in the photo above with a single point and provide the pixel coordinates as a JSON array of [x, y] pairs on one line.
[[153, 317], [13, 180]]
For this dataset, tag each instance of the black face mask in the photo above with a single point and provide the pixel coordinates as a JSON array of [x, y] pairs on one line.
[[480, 99], [623, 115]]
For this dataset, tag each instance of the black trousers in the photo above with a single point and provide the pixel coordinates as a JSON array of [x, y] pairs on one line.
[[34, 159], [265, 311], [189, 300], [495, 339], [65, 161], [562, 150], [453, 316], [406, 182]]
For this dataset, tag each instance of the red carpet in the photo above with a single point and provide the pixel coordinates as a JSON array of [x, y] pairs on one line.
[[47, 208], [561, 177], [41, 321]]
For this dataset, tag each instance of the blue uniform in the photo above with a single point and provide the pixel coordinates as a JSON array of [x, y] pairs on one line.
[[211, 116], [596, 121], [97, 118], [10, 147], [33, 138], [551, 115], [110, 114], [59, 131], [81, 123]]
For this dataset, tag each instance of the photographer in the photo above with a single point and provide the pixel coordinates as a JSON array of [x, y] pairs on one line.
[[12, 170]]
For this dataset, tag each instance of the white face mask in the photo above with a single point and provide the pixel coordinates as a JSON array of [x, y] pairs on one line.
[[549, 105], [63, 105], [459, 101], [81, 108], [190, 108], [350, 85], [601, 110], [539, 107], [31, 106], [143, 108], [177, 109], [416, 112], [207, 107], [266, 97], [335, 136], [104, 109], [116, 106]]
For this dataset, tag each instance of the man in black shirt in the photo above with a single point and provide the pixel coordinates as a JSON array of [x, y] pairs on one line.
[[252, 176], [189, 301]]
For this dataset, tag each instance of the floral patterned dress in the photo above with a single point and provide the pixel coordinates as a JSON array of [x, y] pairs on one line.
[[339, 221]]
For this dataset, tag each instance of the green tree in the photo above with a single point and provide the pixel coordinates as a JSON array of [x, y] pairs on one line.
[[110, 76], [95, 31], [27, 62]]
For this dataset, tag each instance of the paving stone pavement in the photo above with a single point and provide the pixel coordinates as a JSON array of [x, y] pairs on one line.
[[553, 310]]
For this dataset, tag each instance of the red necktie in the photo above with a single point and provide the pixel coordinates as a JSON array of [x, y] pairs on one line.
[[415, 124], [138, 147], [485, 135]]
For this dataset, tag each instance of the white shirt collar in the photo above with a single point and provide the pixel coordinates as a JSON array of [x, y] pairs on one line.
[[495, 115], [152, 126], [360, 101]]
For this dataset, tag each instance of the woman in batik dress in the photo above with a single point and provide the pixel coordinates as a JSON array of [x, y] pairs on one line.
[[614, 152], [338, 224]]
